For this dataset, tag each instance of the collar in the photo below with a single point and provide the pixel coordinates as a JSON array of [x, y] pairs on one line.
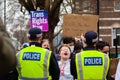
[[90, 48], [35, 43]]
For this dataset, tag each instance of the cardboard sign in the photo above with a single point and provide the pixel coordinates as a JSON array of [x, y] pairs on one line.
[[75, 24], [39, 19], [113, 66]]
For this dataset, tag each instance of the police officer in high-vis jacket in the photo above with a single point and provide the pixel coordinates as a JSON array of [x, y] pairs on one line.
[[36, 63], [90, 64]]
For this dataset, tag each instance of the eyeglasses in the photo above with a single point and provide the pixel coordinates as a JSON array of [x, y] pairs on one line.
[[65, 50]]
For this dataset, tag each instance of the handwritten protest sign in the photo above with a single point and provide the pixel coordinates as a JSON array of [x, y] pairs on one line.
[[39, 19], [113, 66], [75, 24]]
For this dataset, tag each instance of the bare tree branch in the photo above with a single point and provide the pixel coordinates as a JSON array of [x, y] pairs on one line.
[[28, 5], [64, 7], [53, 8], [47, 5], [58, 43], [57, 33], [55, 5], [40, 3], [34, 4]]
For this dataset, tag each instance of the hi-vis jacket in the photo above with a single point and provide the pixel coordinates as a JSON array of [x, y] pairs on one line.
[[91, 65], [33, 63]]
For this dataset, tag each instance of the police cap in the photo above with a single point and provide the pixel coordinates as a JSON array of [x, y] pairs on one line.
[[35, 32], [91, 37]]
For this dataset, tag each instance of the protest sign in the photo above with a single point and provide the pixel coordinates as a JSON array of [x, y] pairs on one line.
[[113, 66], [39, 19], [75, 24]]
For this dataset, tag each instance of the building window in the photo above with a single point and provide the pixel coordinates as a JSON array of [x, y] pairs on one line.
[[117, 6], [86, 6], [116, 36], [77, 5]]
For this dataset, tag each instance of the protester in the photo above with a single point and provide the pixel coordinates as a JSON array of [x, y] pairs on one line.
[[103, 47], [90, 64], [64, 63], [45, 44], [83, 40], [77, 39], [36, 63], [77, 48], [70, 41], [7, 58]]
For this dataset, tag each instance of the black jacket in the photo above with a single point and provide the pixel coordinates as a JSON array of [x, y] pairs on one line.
[[73, 65], [54, 68]]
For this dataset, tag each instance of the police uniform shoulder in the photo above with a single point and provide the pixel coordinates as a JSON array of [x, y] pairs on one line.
[[100, 52]]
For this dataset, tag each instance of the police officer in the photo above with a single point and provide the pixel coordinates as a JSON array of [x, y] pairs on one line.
[[90, 64], [36, 63]]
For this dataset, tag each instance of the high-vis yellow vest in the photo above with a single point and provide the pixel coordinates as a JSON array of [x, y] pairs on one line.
[[92, 65], [33, 63]]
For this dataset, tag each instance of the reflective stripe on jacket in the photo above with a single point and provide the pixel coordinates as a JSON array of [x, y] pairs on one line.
[[33, 63], [91, 65]]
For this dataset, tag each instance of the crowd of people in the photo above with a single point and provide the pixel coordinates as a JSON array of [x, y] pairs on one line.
[[86, 58]]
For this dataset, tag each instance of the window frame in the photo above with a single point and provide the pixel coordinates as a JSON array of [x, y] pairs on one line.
[[115, 10], [113, 37], [84, 7]]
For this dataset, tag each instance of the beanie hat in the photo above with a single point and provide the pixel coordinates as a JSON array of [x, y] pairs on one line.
[[91, 37], [34, 32]]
